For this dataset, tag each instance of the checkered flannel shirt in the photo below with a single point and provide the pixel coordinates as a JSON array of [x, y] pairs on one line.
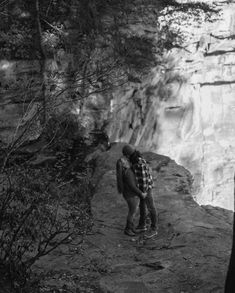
[[143, 175]]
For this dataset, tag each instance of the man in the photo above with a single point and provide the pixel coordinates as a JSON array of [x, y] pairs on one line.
[[145, 184], [127, 186]]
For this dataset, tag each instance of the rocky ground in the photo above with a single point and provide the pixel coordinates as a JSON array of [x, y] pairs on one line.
[[190, 253]]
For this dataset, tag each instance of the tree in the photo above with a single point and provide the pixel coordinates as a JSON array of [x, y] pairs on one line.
[[42, 59]]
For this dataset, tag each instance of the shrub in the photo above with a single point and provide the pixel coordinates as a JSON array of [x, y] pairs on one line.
[[34, 220]]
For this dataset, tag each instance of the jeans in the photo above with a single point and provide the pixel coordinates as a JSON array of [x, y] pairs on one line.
[[133, 203], [149, 203]]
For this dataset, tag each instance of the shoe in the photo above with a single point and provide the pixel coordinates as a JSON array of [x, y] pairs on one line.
[[129, 232], [151, 233], [140, 228]]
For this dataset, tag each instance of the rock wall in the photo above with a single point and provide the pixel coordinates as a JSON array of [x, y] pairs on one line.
[[19, 88], [21, 97], [186, 109]]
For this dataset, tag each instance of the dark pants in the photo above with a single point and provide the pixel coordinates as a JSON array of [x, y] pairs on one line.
[[132, 203], [149, 203]]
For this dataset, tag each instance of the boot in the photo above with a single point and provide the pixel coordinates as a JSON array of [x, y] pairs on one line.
[[129, 230], [140, 228]]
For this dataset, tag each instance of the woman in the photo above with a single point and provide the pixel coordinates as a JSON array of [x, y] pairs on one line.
[[144, 182], [126, 184]]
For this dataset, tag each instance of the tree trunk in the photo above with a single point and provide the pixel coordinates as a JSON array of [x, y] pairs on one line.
[[42, 60]]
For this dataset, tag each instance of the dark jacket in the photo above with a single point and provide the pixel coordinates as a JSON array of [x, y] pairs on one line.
[[126, 182], [130, 185]]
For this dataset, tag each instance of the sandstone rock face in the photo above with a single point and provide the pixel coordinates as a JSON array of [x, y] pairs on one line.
[[16, 93], [186, 109], [21, 97]]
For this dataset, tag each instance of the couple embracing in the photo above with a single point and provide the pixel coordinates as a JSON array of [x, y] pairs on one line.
[[134, 181]]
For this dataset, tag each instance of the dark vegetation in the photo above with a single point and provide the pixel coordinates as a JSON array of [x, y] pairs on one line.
[[44, 201], [45, 183]]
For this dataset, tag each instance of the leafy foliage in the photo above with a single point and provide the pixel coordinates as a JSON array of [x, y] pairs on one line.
[[38, 213], [17, 42], [43, 205]]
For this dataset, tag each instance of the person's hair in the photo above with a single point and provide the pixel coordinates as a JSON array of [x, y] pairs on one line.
[[135, 157], [128, 150]]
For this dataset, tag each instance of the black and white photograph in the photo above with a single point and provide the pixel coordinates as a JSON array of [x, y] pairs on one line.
[[117, 146]]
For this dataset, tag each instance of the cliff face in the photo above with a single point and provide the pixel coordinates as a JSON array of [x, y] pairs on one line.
[[21, 95], [186, 109], [183, 109]]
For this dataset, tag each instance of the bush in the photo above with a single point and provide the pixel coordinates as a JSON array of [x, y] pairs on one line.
[[34, 220]]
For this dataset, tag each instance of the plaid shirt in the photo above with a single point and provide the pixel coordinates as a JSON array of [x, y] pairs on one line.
[[143, 175]]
